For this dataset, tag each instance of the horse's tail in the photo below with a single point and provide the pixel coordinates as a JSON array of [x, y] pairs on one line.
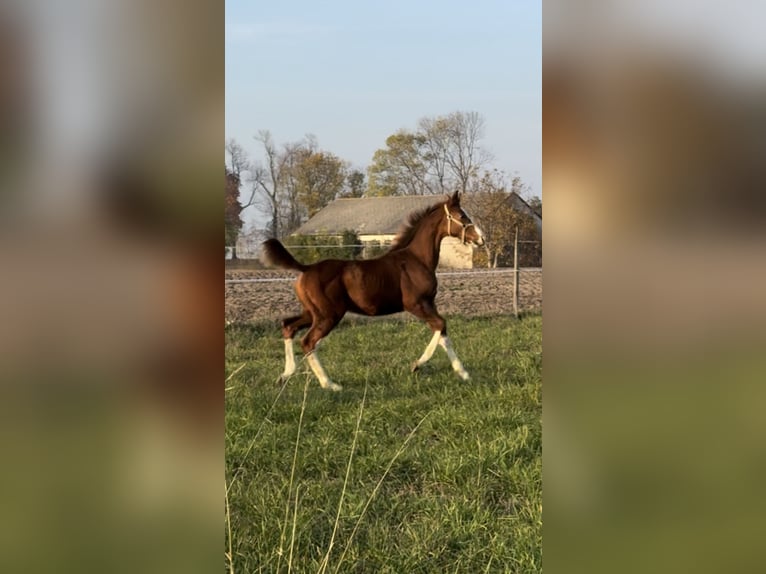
[[276, 254]]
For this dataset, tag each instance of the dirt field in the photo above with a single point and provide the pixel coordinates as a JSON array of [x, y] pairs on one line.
[[459, 294]]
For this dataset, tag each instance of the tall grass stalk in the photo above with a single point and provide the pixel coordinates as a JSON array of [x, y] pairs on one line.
[[229, 554], [231, 376], [292, 475], [325, 561], [257, 434], [377, 487], [292, 534]]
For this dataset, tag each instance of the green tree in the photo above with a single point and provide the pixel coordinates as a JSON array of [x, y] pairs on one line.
[[291, 211], [400, 168], [494, 208], [319, 179], [355, 184]]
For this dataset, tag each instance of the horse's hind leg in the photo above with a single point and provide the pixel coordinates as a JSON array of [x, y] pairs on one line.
[[321, 327], [290, 326]]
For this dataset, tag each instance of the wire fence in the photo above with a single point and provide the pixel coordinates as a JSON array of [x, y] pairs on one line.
[[363, 245], [472, 272], [254, 295]]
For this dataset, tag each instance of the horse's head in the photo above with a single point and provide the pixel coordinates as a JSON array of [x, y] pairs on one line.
[[459, 224]]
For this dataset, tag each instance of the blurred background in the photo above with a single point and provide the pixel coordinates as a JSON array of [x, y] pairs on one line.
[[654, 131], [111, 406]]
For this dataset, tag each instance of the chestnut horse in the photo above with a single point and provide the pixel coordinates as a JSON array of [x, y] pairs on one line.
[[402, 279]]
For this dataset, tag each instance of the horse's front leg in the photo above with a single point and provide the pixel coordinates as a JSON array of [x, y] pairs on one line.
[[453, 358], [427, 311], [429, 351], [446, 344]]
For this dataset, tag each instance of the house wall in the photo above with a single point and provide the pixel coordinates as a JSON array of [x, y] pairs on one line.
[[453, 254], [379, 238]]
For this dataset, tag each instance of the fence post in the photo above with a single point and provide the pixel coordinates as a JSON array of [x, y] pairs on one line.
[[516, 273]]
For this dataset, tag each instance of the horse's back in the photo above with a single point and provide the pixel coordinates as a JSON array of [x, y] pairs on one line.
[[320, 285]]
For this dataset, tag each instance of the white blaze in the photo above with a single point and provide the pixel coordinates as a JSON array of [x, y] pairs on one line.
[[475, 227]]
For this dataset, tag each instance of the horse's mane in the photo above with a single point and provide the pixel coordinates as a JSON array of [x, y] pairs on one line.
[[408, 229]]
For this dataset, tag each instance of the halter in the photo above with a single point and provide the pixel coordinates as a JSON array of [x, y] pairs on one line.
[[450, 219]]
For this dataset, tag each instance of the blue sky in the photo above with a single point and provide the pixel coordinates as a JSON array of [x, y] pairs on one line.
[[353, 73]]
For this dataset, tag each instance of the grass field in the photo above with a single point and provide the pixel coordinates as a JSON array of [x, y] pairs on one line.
[[399, 472]]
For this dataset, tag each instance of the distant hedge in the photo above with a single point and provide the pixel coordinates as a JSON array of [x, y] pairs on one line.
[[312, 248]]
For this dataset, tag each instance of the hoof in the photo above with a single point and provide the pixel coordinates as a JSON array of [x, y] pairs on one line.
[[333, 387], [465, 376], [414, 367]]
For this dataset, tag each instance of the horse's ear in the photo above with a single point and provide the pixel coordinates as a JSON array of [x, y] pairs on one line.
[[455, 197]]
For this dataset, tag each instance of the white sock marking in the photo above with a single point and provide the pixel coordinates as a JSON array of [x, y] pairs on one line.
[[456, 364], [324, 380], [289, 359], [428, 353]]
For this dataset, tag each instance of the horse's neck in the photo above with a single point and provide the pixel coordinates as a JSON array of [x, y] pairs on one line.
[[426, 245]]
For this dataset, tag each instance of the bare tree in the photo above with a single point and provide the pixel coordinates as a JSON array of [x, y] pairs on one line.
[[232, 209], [238, 160], [443, 153], [245, 171], [268, 179], [295, 180], [239, 165], [463, 155], [435, 144]]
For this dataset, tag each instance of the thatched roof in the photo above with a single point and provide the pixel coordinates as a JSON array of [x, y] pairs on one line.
[[384, 215], [366, 215]]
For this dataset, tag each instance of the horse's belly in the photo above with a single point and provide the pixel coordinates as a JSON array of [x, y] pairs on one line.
[[372, 291], [379, 303]]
